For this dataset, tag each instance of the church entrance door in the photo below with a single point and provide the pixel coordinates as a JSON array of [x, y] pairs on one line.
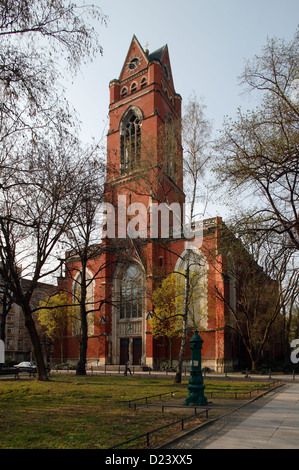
[[124, 350], [130, 349], [137, 350]]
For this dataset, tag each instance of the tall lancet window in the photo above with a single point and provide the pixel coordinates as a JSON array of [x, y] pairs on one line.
[[131, 290], [130, 140], [171, 147]]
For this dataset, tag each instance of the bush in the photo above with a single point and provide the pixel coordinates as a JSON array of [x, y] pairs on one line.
[[65, 366]]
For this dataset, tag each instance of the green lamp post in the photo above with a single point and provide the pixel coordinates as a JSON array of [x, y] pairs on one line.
[[196, 387]]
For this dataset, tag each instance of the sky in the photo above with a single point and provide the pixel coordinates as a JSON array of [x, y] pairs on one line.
[[209, 42]]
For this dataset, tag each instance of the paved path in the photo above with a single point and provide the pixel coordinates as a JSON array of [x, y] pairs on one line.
[[271, 422]]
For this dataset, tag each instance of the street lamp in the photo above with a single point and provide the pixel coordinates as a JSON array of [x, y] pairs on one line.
[[196, 387]]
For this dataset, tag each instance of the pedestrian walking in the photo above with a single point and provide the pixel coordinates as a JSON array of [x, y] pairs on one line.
[[127, 368]]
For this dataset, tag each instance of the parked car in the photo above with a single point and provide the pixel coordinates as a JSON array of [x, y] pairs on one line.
[[29, 367]]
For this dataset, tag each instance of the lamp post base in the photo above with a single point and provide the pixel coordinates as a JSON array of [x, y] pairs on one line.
[[196, 396]]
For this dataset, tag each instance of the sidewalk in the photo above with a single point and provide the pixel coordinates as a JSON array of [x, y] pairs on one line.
[[268, 423], [138, 372], [274, 426]]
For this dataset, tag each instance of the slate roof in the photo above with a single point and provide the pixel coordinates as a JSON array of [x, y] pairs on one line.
[[158, 54]]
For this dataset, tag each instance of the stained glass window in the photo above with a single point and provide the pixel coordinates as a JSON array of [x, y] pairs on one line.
[[131, 293]]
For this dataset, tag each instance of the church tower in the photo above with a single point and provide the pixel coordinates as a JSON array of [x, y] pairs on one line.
[[144, 124], [144, 165]]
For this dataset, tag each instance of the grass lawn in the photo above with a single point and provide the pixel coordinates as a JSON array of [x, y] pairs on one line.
[[70, 412]]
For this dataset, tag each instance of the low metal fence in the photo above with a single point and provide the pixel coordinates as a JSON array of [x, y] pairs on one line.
[[211, 393], [160, 395], [239, 392], [149, 433]]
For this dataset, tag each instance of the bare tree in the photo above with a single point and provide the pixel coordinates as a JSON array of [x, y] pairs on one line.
[[63, 24], [258, 152], [36, 209], [257, 157], [39, 158], [84, 243], [262, 284], [196, 132]]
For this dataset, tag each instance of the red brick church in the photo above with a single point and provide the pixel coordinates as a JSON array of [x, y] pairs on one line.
[[145, 170]]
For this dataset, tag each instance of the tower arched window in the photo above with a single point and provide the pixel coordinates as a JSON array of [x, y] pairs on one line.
[[143, 82], [133, 87], [131, 141], [124, 92], [131, 290]]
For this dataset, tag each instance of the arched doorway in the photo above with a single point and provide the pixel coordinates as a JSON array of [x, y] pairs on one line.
[[128, 323]]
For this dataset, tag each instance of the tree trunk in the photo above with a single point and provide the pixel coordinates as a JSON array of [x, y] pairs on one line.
[[3, 319], [37, 350], [170, 352], [6, 306], [61, 350], [178, 376], [81, 366]]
